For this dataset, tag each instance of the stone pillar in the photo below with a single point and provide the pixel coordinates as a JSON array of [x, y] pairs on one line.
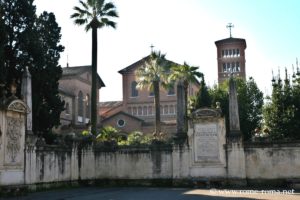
[[26, 92], [236, 170], [234, 120]]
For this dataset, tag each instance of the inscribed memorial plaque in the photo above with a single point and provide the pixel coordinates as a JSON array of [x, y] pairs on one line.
[[206, 143]]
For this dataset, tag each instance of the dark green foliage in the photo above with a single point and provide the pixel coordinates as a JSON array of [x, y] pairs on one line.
[[19, 18], [220, 94], [33, 42], [203, 98], [250, 100], [282, 112], [2, 45], [46, 73]]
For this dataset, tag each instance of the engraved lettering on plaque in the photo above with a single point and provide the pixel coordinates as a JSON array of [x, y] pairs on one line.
[[206, 143]]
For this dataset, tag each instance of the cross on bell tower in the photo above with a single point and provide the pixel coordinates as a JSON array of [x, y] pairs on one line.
[[230, 26]]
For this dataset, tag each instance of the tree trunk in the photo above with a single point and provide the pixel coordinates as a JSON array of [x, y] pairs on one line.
[[186, 86], [94, 82], [157, 106], [180, 119]]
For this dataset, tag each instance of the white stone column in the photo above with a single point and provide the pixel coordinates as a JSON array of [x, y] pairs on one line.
[[26, 92]]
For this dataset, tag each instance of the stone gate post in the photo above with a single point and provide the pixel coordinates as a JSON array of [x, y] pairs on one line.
[[12, 141]]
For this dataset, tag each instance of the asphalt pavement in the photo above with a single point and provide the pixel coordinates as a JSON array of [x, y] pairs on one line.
[[141, 193]]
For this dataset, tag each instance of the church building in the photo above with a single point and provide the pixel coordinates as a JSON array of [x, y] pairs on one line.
[[137, 111], [75, 89]]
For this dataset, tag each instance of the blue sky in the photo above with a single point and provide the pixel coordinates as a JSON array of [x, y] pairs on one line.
[[186, 31]]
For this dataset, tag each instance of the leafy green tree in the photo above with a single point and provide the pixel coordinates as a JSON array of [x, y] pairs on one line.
[[151, 75], [203, 98], [2, 45], [34, 42], [296, 101], [46, 72], [281, 114], [219, 93], [250, 102], [94, 14], [19, 17]]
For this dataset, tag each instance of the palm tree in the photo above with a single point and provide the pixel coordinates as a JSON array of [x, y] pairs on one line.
[[94, 14], [185, 75], [151, 76]]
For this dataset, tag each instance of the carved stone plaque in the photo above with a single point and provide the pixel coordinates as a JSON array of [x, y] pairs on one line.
[[206, 143], [13, 140]]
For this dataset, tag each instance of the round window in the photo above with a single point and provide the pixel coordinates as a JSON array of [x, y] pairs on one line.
[[121, 123]]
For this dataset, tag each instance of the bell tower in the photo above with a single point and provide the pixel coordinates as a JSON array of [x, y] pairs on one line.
[[231, 57]]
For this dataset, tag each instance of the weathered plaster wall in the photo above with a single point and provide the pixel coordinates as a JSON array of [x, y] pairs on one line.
[[52, 164], [46, 164], [272, 161]]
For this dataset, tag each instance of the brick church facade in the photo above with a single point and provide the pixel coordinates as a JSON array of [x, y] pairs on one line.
[[75, 89], [136, 112]]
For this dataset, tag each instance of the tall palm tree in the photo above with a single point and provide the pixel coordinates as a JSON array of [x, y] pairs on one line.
[[185, 75], [94, 14], [151, 76]]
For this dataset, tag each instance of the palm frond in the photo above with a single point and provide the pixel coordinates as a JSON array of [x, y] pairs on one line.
[[88, 27], [80, 21], [91, 3], [80, 11], [75, 15], [108, 6], [84, 5], [109, 23], [111, 13]]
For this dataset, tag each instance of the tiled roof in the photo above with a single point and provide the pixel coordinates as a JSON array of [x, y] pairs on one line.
[[108, 104], [77, 70]]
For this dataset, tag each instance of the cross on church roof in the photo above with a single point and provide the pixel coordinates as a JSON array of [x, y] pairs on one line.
[[151, 48], [230, 26]]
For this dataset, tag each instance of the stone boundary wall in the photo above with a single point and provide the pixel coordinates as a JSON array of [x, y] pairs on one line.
[[53, 164], [46, 164], [267, 161]]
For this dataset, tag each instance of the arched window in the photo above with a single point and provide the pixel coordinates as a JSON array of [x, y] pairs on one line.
[[80, 104], [172, 110], [140, 111], [145, 113], [166, 109], [88, 106], [171, 90], [134, 91], [134, 111], [67, 108], [150, 112]]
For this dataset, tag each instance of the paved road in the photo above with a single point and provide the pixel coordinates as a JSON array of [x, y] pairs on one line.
[[91, 193]]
